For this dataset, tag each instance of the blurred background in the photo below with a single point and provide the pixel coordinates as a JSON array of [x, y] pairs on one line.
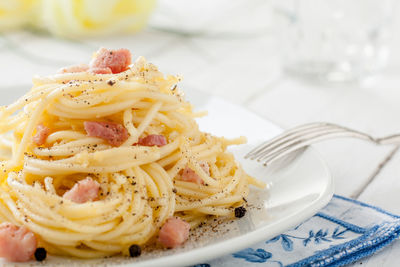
[[223, 45]]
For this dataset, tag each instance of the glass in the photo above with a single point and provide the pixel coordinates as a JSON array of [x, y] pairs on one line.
[[334, 40]]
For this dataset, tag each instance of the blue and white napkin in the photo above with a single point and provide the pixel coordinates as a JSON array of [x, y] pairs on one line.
[[344, 231]]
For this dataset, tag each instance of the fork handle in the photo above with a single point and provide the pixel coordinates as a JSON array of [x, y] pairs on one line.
[[389, 140]]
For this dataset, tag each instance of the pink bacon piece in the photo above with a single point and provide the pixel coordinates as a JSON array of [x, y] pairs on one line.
[[17, 244], [101, 70], [84, 68], [83, 191], [189, 175], [75, 68], [153, 140], [174, 232], [41, 134], [113, 133], [116, 60]]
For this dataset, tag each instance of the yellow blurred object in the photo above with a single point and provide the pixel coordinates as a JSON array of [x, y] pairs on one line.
[[16, 13], [82, 18], [77, 18]]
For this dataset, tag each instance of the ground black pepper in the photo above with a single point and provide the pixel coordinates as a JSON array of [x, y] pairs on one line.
[[40, 254], [240, 212], [135, 251]]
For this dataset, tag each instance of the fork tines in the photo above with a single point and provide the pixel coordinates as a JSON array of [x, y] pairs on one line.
[[299, 137]]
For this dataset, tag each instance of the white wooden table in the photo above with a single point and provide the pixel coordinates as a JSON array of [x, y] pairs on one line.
[[223, 52]]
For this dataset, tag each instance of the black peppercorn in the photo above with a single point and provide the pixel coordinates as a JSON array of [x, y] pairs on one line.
[[40, 254], [240, 212], [135, 251]]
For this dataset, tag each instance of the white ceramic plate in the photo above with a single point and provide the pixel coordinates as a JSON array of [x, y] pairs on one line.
[[297, 190]]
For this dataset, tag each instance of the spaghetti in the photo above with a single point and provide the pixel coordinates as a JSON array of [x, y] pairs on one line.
[[60, 135]]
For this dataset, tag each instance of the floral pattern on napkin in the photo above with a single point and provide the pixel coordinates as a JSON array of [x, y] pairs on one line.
[[344, 231]]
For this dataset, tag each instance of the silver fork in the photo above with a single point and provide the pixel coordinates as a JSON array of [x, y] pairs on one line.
[[300, 137]]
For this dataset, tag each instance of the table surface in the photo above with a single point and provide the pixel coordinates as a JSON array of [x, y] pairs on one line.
[[223, 52]]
